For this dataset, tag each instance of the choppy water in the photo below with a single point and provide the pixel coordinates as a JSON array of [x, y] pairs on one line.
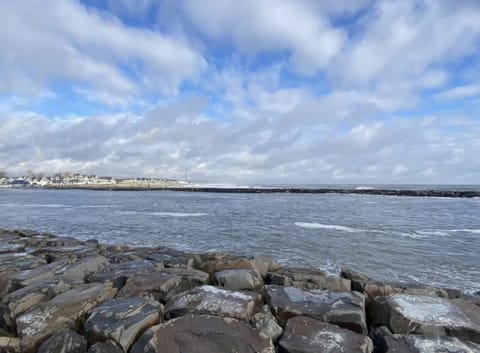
[[429, 240]]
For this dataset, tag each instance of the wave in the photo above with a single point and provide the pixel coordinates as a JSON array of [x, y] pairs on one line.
[[47, 205], [163, 214], [466, 230], [327, 226]]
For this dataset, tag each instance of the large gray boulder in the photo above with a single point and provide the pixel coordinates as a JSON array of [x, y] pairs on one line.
[[345, 309], [266, 324], [163, 285], [403, 314], [426, 344], [238, 280], [122, 320], [25, 299], [79, 270], [305, 278], [210, 300], [13, 262], [64, 341], [66, 310], [118, 273], [306, 335], [202, 334], [212, 263], [105, 347]]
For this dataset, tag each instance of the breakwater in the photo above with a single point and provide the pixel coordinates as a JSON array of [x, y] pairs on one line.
[[292, 190], [60, 294]]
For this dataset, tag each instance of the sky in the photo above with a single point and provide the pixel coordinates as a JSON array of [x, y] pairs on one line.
[[270, 91]]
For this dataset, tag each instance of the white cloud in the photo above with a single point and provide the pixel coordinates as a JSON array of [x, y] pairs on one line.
[[67, 41], [460, 92]]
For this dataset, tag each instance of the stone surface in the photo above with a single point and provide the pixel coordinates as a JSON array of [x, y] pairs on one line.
[[55, 253], [210, 300], [118, 273], [266, 324], [79, 270], [305, 278], [403, 314], [238, 280], [425, 344], [306, 335], [64, 311], [105, 347], [64, 341], [345, 309], [19, 261], [212, 263], [163, 285], [25, 299], [122, 320], [202, 334], [10, 345]]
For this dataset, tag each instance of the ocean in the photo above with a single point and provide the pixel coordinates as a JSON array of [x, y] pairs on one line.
[[408, 239]]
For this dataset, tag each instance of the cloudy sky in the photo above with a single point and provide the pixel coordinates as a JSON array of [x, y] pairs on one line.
[[269, 91]]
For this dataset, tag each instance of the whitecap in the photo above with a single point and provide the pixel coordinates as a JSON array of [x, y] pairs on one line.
[[327, 226], [364, 188], [177, 214], [126, 212], [466, 230]]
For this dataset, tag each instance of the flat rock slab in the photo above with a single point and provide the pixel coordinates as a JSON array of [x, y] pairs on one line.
[[422, 344], [202, 334], [56, 253], [64, 311], [20, 261], [64, 341], [403, 313], [345, 309], [209, 300], [306, 335], [305, 278], [238, 280], [122, 320], [80, 269], [163, 285], [219, 262], [118, 273]]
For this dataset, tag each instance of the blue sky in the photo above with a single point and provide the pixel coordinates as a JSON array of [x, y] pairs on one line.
[[271, 91]]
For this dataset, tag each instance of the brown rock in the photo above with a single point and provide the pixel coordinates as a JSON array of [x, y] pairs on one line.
[[308, 279], [238, 280]]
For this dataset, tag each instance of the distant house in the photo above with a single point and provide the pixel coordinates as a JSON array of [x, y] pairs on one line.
[[19, 182]]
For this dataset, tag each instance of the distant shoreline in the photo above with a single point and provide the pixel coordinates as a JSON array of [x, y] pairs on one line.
[[271, 190]]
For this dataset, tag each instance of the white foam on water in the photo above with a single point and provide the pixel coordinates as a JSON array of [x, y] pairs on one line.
[[31, 205], [364, 188], [97, 206], [434, 232], [177, 214], [126, 212], [327, 226], [466, 230]]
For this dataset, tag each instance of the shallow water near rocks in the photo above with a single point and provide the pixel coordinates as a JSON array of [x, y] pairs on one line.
[[428, 240]]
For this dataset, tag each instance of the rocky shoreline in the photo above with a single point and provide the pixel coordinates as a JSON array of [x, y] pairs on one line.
[[273, 190], [60, 294]]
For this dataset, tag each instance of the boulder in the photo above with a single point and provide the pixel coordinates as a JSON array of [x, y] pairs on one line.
[[105, 347], [79, 270], [403, 314], [345, 309], [10, 345], [118, 273], [212, 263], [209, 300], [171, 258], [64, 341], [13, 262], [163, 285], [66, 310], [306, 335], [266, 324], [238, 280], [122, 320], [426, 344], [56, 253], [25, 299], [202, 334], [305, 278]]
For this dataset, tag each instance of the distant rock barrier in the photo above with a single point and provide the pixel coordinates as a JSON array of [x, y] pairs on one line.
[[292, 190], [60, 294]]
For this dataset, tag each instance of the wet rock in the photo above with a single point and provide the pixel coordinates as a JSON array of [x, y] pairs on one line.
[[209, 300], [238, 280], [25, 299], [79, 270], [10, 345], [266, 324], [425, 344], [306, 335], [171, 258], [308, 279], [64, 341], [202, 334], [19, 261], [163, 285], [345, 309], [118, 273], [372, 288], [10, 247], [212, 263], [105, 347], [122, 320], [65, 252], [66, 310], [404, 314]]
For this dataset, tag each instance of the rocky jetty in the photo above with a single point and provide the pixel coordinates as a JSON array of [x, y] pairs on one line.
[[60, 294]]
